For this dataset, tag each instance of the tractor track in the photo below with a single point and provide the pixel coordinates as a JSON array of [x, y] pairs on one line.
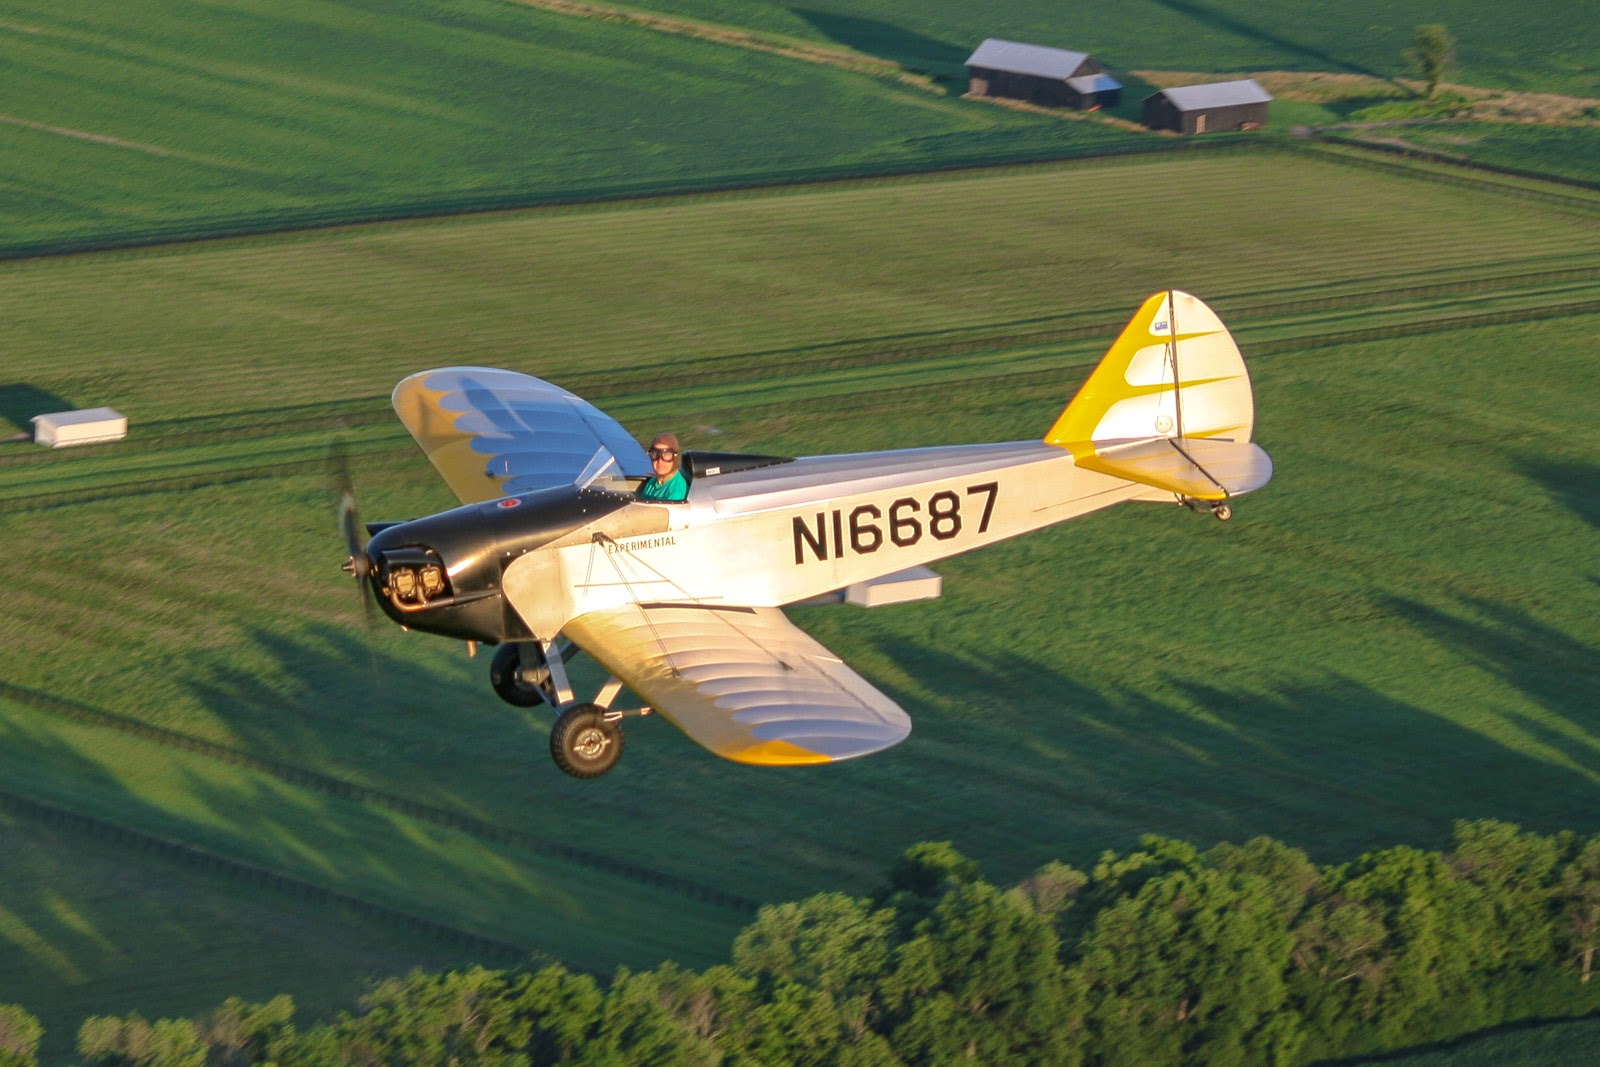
[[798, 361], [367, 412], [207, 860], [329, 785], [790, 363]]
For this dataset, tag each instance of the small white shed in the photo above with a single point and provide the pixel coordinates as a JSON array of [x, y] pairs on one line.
[[87, 427]]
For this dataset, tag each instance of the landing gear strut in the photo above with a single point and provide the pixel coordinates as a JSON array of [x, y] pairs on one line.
[[586, 739]]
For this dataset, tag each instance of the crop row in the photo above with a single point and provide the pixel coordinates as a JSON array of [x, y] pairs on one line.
[[292, 422], [238, 870], [345, 790]]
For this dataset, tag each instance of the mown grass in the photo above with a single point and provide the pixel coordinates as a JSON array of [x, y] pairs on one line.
[[175, 119], [1397, 633], [1554, 1044], [178, 120], [1567, 153], [658, 290], [1495, 48], [89, 922]]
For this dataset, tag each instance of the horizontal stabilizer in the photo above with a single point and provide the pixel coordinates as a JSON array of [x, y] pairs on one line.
[[1198, 468]]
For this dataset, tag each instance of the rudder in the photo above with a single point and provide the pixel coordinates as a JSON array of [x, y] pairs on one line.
[[1170, 406]]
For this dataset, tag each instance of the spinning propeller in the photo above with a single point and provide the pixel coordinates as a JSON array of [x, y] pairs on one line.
[[358, 564]]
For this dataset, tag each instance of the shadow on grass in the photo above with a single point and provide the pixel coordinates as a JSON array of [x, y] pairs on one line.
[[1530, 1043], [1015, 758], [1210, 16], [1064, 770], [113, 909], [941, 60], [20, 402], [1552, 668], [1130, 104], [367, 704], [1575, 485]]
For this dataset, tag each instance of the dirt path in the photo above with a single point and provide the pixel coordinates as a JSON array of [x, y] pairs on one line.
[[772, 44], [1486, 105]]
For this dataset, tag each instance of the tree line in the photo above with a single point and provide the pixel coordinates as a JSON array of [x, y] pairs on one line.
[[1237, 955]]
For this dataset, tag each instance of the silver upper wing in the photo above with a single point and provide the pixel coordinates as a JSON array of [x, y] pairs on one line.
[[494, 433]]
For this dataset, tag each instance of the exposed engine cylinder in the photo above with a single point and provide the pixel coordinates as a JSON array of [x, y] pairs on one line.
[[417, 585]]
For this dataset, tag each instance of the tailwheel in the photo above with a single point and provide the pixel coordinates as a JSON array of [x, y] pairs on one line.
[[1220, 511], [586, 740], [520, 674]]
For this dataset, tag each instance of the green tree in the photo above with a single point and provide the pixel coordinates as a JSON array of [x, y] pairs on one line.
[[1339, 965], [920, 877], [981, 982], [1287, 874], [648, 1019], [476, 1016], [818, 966], [472, 1016], [1577, 899], [1190, 968], [139, 1043], [830, 941], [1439, 941], [1432, 51], [1052, 889], [1516, 873], [19, 1037], [1115, 878], [243, 1033]]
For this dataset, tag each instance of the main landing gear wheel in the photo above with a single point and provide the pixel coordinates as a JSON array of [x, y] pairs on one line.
[[1223, 512], [507, 675], [585, 742]]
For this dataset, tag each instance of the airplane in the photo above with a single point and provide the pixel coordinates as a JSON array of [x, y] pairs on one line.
[[552, 552]]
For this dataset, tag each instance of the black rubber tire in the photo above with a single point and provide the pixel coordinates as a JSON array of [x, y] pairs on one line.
[[504, 671], [583, 743]]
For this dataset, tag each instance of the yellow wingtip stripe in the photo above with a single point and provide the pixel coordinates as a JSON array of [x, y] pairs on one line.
[[775, 754], [450, 450]]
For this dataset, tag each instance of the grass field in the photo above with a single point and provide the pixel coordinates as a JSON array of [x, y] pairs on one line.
[[1551, 1045], [1399, 632], [175, 118], [1561, 153], [1495, 47]]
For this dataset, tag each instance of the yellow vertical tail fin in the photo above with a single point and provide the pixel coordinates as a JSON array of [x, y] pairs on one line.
[[1169, 406]]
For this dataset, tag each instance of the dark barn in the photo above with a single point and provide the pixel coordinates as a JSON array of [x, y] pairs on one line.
[[1053, 77], [1239, 105]]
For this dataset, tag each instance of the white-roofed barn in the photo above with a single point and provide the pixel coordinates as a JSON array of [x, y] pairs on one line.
[[1235, 105], [1053, 77]]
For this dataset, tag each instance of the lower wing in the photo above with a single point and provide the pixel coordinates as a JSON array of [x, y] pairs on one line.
[[744, 683]]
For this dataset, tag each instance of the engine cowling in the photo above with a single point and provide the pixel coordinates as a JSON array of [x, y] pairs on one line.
[[442, 574]]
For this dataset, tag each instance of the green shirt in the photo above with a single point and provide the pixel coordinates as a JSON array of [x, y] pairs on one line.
[[674, 488]]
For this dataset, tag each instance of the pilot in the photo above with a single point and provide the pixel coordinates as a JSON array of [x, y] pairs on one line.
[[669, 482]]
